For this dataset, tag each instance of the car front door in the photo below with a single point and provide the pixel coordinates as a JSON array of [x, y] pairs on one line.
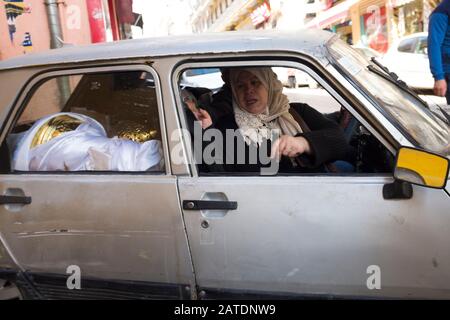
[[317, 235], [121, 232], [326, 235]]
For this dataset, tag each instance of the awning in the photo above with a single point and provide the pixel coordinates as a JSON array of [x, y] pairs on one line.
[[334, 14]]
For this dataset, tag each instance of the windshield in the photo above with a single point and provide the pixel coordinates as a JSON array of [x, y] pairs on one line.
[[405, 111]]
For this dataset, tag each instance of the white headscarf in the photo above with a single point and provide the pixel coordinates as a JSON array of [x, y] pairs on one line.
[[256, 127]]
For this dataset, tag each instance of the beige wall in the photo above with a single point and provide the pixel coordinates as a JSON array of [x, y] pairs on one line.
[[74, 23]]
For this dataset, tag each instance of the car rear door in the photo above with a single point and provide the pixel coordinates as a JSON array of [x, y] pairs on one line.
[[123, 231]]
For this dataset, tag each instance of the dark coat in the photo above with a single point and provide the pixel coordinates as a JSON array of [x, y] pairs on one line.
[[326, 139]]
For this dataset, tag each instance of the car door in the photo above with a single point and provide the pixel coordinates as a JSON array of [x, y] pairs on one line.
[[422, 65], [322, 235], [409, 61], [121, 231], [317, 235]]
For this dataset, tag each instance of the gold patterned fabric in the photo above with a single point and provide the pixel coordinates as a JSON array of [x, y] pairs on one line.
[[136, 132], [53, 128]]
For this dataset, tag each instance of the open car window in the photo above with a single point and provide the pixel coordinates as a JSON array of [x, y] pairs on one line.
[[106, 121], [365, 153]]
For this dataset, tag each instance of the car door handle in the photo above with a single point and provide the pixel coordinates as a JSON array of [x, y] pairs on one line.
[[209, 205], [14, 200]]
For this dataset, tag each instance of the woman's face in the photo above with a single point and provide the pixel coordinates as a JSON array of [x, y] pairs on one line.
[[251, 93]]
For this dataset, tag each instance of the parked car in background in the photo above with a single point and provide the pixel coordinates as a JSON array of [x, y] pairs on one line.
[[408, 58]]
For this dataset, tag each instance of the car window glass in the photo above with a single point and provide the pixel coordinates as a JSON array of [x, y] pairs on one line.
[[91, 122], [364, 153], [407, 45], [417, 122], [422, 45]]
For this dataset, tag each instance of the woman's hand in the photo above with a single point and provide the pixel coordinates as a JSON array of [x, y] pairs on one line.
[[199, 114], [290, 146], [204, 117]]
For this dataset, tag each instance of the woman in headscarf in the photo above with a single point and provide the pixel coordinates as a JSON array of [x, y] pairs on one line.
[[307, 139]]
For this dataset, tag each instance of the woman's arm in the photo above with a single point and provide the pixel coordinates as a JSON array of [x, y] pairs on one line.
[[326, 139]]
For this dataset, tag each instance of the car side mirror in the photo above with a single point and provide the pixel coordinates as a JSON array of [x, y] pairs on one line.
[[421, 167]]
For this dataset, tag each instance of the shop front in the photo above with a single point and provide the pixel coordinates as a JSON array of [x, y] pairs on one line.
[[411, 16], [375, 23], [370, 26], [111, 20], [407, 17], [382, 22], [336, 19]]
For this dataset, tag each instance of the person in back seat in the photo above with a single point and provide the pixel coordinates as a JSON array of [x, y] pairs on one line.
[[222, 101], [198, 100], [197, 113]]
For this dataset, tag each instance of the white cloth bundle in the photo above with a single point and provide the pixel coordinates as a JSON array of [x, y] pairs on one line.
[[85, 148]]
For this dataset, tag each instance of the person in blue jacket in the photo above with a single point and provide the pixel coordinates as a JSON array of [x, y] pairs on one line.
[[439, 49]]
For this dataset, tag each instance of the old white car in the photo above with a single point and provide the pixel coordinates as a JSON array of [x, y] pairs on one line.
[[408, 58], [102, 197]]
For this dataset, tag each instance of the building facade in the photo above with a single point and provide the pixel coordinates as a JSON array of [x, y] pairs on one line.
[[25, 27], [228, 15], [374, 23], [371, 23]]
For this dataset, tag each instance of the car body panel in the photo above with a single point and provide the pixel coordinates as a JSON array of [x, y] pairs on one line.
[[113, 227], [210, 43], [85, 221], [319, 235], [313, 235]]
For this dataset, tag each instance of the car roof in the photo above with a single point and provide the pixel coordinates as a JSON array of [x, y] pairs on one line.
[[394, 46], [413, 35], [305, 41]]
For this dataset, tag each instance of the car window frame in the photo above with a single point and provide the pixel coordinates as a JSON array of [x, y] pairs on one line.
[[274, 60], [402, 137], [419, 40], [413, 45], [35, 81]]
